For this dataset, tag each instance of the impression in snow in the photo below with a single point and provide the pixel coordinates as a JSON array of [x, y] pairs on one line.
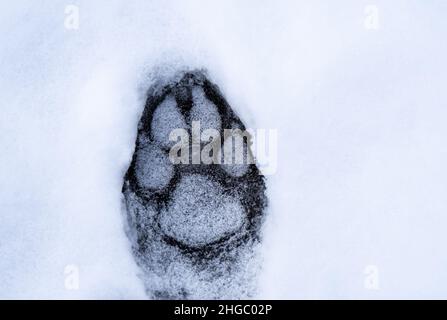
[[194, 226]]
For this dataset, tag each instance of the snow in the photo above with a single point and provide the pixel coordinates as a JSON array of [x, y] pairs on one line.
[[360, 114], [234, 155], [204, 111], [167, 117], [200, 213], [156, 173]]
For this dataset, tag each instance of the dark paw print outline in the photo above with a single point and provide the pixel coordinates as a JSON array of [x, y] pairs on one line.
[[248, 188]]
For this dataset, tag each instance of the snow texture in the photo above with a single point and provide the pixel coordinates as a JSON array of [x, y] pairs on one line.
[[205, 222], [200, 213], [360, 112], [166, 118], [204, 111], [154, 174]]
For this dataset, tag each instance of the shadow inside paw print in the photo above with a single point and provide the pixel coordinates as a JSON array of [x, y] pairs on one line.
[[194, 218]]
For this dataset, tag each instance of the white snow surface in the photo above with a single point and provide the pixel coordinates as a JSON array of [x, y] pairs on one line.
[[361, 118]]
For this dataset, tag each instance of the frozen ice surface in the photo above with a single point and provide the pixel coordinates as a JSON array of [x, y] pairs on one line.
[[360, 115]]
